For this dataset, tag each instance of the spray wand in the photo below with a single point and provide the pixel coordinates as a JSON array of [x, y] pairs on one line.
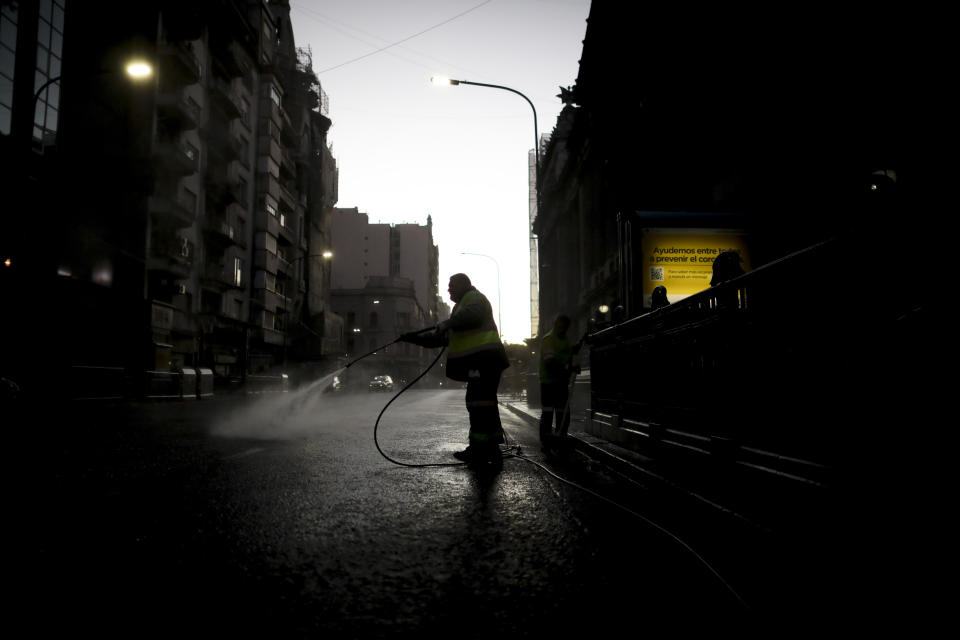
[[380, 348]]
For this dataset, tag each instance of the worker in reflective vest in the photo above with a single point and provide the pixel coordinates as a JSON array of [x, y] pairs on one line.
[[556, 367], [476, 356]]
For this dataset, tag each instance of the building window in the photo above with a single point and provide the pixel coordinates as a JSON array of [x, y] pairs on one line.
[[373, 318], [275, 95], [8, 47], [238, 272], [49, 55]]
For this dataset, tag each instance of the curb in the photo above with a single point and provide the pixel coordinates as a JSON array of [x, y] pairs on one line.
[[639, 475]]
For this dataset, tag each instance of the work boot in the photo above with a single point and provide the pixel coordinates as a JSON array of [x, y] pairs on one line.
[[466, 455], [487, 454]]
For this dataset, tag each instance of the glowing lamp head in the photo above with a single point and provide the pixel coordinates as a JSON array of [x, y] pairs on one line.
[[139, 69]]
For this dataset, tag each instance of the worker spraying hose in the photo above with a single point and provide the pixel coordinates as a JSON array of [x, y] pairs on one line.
[[476, 356]]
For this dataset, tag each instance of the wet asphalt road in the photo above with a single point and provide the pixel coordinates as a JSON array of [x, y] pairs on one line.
[[277, 515]]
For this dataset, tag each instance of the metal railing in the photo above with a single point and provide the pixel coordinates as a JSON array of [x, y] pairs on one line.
[[732, 383]]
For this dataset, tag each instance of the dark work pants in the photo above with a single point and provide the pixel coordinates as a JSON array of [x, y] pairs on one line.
[[485, 427], [553, 401]]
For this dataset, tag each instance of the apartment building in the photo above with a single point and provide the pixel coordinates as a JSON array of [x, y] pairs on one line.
[[384, 281], [180, 216]]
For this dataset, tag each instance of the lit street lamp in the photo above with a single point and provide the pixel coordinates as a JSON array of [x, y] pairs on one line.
[[137, 70], [442, 81], [499, 319]]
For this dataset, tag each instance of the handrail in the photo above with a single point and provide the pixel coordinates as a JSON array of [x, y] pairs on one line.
[[702, 299]]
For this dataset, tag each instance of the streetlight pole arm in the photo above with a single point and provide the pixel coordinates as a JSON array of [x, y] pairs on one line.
[[536, 135]]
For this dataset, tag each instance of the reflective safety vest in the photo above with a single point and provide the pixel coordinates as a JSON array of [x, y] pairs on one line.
[[554, 347], [476, 342]]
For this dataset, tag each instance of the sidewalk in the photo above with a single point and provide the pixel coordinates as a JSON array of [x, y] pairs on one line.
[[631, 465], [620, 459]]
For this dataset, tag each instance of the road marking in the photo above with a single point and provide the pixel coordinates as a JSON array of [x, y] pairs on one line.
[[244, 454]]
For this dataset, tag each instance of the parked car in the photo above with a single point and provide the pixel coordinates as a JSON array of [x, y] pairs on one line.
[[381, 383]]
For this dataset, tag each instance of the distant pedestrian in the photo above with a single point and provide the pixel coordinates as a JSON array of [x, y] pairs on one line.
[[726, 266], [556, 367], [659, 298]]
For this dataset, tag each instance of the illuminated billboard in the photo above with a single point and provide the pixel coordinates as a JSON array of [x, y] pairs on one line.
[[682, 259]]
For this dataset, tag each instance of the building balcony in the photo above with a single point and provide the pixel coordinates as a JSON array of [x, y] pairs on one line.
[[287, 133], [180, 108], [224, 97], [179, 63], [231, 58], [284, 268], [268, 149], [221, 190], [172, 256], [264, 221], [237, 215], [287, 234], [171, 212], [219, 233], [241, 151], [273, 111], [288, 196], [219, 137], [219, 277], [178, 158], [269, 300], [288, 165], [266, 260]]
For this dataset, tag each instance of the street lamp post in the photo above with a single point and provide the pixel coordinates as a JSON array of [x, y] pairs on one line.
[[137, 70], [499, 318], [440, 80]]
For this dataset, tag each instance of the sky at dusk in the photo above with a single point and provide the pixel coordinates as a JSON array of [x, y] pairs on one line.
[[406, 149]]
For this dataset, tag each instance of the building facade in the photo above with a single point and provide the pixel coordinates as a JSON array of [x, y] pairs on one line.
[[384, 282], [181, 215], [729, 135]]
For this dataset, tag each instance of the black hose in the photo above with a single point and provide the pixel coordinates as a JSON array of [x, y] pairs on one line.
[[376, 425], [516, 454], [380, 348]]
